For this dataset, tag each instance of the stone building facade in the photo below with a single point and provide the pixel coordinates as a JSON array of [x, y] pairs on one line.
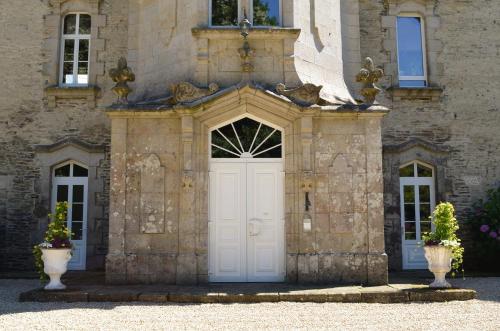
[[151, 168]]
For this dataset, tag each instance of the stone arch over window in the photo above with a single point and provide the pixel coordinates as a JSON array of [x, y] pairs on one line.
[[88, 157]]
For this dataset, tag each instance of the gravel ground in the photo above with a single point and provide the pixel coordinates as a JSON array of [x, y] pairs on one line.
[[480, 314]]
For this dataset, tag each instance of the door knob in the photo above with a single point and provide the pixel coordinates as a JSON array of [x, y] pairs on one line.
[[254, 227]]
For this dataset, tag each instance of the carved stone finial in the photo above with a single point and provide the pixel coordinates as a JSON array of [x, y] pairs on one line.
[[187, 92], [121, 75], [306, 95], [369, 75]]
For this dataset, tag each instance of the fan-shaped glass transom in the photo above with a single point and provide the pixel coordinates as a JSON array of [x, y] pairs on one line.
[[246, 138]]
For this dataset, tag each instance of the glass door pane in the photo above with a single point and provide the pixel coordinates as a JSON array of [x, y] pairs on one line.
[[410, 227], [77, 212], [425, 209]]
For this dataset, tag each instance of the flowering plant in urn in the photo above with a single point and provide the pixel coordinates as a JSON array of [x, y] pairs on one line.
[[52, 256], [443, 249]]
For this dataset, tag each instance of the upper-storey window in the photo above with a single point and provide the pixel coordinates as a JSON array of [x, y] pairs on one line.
[[231, 12], [75, 46], [411, 52]]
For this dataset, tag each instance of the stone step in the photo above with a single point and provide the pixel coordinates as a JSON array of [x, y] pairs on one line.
[[250, 294]]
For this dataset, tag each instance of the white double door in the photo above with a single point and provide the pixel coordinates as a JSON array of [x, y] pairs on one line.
[[246, 222]]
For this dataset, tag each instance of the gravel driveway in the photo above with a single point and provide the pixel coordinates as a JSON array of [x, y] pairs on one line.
[[480, 314]]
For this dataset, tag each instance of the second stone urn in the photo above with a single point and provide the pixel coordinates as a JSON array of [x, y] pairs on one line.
[[55, 264], [439, 261]]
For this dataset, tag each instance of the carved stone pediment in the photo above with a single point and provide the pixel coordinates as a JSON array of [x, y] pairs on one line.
[[187, 92], [307, 94]]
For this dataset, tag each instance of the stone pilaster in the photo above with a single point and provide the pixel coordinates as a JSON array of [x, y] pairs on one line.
[[376, 259], [186, 260], [115, 260]]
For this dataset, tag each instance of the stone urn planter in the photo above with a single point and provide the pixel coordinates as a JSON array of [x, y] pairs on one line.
[[55, 261], [439, 261]]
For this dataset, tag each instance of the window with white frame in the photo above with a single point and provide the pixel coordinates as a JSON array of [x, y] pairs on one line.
[[231, 12], [75, 50], [411, 51]]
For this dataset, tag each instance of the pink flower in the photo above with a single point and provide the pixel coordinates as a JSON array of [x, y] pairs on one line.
[[493, 234], [484, 228]]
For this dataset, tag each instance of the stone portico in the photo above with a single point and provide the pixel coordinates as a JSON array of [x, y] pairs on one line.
[[159, 210]]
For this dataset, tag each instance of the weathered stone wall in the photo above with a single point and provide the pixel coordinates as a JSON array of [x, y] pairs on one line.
[[457, 133], [27, 119], [159, 224]]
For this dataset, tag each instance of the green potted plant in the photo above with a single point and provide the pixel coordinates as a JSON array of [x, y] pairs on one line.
[[443, 250], [52, 256]]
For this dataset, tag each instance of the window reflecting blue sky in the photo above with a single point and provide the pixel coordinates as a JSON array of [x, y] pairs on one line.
[[410, 54], [272, 7]]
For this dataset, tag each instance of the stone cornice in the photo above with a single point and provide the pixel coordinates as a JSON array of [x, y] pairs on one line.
[[255, 33], [415, 93], [88, 93]]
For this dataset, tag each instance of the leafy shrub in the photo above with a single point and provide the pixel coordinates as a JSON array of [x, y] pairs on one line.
[[445, 233], [484, 228], [56, 236]]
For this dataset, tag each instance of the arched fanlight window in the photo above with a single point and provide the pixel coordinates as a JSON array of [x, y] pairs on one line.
[[246, 138]]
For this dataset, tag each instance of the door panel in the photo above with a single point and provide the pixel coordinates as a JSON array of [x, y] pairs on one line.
[[265, 211], [228, 223]]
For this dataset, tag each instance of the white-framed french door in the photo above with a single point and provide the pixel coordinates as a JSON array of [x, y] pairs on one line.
[[246, 202], [418, 200], [70, 183]]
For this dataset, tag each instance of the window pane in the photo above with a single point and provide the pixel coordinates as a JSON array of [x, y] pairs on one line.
[[77, 230], [266, 12], [410, 236], [412, 83], [272, 141], [409, 212], [77, 215], [62, 171], [84, 24], [424, 171], [69, 50], [425, 227], [79, 171], [68, 73], [409, 194], [424, 193], [410, 53], [83, 51], [83, 70], [77, 193], [224, 12], [246, 129], [410, 227], [407, 171], [425, 212], [70, 24], [62, 193]]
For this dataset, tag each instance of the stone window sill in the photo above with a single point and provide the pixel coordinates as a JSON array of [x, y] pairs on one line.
[[88, 93], [415, 93], [255, 33]]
